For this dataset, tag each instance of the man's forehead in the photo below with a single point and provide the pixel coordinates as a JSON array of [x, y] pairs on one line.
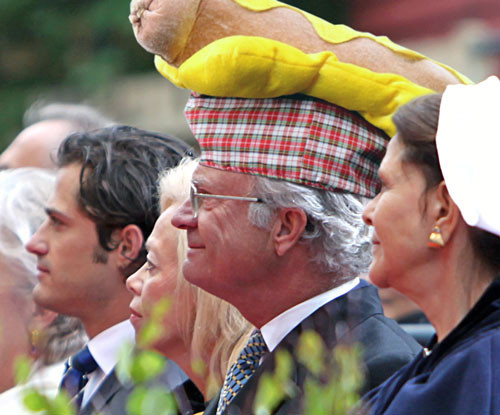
[[69, 176], [211, 176], [67, 190], [36, 145]]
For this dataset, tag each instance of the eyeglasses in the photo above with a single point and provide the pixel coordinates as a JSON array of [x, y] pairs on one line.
[[194, 197]]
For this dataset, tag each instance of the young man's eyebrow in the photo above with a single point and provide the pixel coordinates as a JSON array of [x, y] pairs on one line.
[[54, 212]]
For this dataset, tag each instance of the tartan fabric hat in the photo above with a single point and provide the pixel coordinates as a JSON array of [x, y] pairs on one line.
[[296, 138]]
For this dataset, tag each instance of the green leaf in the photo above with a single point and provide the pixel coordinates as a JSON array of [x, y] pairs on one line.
[[135, 399], [35, 401], [269, 394], [284, 366], [276, 387], [199, 367], [157, 401], [61, 405], [154, 329], [22, 368], [311, 351], [146, 365]]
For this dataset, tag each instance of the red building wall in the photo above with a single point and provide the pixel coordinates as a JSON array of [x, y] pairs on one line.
[[403, 19]]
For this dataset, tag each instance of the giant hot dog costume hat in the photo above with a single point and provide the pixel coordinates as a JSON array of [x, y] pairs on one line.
[[281, 93]]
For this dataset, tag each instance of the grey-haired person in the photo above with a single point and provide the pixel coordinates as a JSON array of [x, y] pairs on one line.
[[199, 331], [46, 125]]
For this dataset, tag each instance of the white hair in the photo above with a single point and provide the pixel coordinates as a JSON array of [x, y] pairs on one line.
[[338, 238], [83, 117], [23, 194]]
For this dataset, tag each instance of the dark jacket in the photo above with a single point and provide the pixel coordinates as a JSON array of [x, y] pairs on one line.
[[460, 376], [355, 316], [112, 395]]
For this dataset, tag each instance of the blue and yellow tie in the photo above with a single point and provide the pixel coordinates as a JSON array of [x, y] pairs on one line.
[[244, 367]]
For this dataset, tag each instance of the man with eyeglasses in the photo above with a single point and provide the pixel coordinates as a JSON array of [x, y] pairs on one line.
[[290, 146], [281, 236]]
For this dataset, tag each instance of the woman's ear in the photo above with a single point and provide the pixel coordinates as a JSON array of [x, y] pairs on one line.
[[445, 212], [289, 228], [42, 318]]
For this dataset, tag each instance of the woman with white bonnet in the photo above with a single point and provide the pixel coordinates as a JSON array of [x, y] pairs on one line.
[[26, 330], [437, 240]]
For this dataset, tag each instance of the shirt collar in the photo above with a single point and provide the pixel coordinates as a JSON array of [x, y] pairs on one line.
[[275, 330], [106, 346]]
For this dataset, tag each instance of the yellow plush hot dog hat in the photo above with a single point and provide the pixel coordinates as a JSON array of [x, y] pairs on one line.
[[257, 50]]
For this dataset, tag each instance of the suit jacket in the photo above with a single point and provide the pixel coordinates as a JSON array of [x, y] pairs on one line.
[[356, 316], [111, 396]]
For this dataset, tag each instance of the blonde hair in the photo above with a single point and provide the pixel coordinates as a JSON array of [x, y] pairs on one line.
[[212, 326]]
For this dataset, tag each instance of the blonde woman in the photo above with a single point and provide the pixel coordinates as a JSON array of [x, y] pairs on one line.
[[199, 330]]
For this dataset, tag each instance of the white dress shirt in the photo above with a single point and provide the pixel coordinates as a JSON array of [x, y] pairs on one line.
[[275, 330], [46, 380], [105, 349]]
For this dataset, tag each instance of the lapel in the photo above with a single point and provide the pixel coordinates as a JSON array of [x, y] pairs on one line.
[[333, 322], [211, 408], [108, 388]]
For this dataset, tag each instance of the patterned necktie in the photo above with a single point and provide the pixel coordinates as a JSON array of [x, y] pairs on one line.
[[242, 369], [75, 374]]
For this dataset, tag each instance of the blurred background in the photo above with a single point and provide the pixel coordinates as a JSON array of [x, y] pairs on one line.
[[85, 51]]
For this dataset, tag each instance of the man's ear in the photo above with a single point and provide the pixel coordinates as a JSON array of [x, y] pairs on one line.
[[289, 227], [444, 211], [131, 241]]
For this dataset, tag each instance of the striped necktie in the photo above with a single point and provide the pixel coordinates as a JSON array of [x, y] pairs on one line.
[[75, 374], [244, 367]]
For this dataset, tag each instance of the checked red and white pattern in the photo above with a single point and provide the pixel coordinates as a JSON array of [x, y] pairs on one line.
[[297, 138]]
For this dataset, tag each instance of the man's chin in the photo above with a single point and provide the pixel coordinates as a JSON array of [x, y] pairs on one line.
[[42, 298]]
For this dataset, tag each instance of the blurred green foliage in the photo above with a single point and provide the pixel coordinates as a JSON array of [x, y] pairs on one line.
[[37, 402], [77, 46], [332, 383]]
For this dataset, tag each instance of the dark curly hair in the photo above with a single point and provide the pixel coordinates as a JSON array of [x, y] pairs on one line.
[[118, 179]]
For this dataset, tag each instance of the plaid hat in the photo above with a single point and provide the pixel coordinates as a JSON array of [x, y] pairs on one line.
[[248, 119], [296, 138]]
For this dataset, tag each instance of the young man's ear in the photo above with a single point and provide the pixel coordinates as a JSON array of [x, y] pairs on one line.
[[131, 241], [289, 228]]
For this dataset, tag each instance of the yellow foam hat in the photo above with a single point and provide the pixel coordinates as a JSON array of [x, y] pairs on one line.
[[257, 67]]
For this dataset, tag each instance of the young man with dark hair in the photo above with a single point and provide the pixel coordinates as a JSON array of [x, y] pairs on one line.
[[103, 209]]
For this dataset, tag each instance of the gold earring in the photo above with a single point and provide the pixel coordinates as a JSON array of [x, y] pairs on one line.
[[435, 238], [35, 337]]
